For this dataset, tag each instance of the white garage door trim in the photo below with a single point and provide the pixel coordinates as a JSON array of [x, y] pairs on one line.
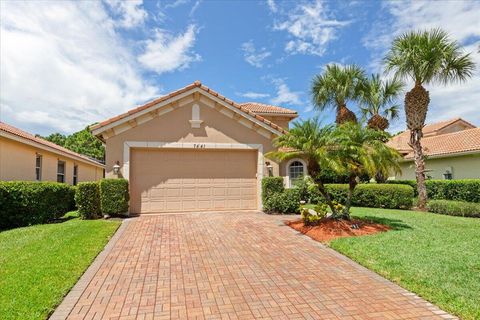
[[206, 145]]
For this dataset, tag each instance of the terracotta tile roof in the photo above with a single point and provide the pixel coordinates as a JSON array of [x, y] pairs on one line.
[[196, 84], [25, 135], [400, 141], [449, 143], [267, 108]]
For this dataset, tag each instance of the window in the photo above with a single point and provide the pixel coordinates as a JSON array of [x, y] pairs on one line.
[[295, 171], [38, 168], [75, 175], [61, 171]]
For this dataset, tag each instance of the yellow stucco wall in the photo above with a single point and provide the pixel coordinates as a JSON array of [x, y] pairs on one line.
[[463, 167], [17, 162]]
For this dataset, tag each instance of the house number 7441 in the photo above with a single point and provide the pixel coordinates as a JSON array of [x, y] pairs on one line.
[[199, 145]]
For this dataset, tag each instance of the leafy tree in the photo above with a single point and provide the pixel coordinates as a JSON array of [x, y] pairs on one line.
[[377, 99], [335, 87], [82, 142], [308, 140], [356, 151], [425, 57], [56, 138]]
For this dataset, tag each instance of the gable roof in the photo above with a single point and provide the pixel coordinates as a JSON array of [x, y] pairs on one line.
[[193, 87], [9, 131], [400, 141], [261, 108]]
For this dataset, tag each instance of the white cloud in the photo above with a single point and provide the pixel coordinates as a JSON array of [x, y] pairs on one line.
[[272, 5], [166, 52], [310, 27], [460, 20], [284, 95], [253, 56], [253, 95], [131, 12], [63, 66], [176, 3], [194, 8]]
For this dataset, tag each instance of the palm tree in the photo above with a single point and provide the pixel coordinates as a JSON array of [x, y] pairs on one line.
[[356, 150], [425, 57], [308, 140], [335, 87], [377, 99]]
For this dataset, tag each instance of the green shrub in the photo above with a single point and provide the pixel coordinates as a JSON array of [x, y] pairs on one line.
[[454, 208], [114, 196], [460, 190], [287, 201], [24, 203], [312, 217], [411, 183], [87, 199], [373, 195], [271, 185]]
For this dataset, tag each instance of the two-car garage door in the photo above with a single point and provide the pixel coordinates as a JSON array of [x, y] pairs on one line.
[[174, 180]]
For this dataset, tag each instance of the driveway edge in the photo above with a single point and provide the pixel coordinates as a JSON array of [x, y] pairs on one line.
[[69, 301], [403, 291]]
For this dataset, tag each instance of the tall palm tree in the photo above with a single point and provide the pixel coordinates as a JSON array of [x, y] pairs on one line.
[[378, 101], [335, 87], [356, 150], [425, 57], [308, 140]]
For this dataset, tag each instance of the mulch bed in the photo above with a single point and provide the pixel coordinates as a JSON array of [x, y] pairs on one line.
[[329, 229]]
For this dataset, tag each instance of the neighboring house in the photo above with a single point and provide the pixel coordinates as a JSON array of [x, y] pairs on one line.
[[194, 149], [451, 148], [24, 156]]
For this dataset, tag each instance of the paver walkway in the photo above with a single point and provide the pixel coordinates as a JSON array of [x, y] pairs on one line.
[[231, 266]]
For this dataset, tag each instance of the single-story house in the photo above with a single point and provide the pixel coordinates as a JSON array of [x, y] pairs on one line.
[[24, 156], [451, 148], [195, 149]]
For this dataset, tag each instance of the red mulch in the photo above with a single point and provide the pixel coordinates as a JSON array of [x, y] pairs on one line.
[[330, 229]]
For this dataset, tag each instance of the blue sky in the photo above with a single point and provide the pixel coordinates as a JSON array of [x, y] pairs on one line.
[[65, 65]]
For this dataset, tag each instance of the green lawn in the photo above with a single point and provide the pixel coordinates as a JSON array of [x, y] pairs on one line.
[[39, 264], [435, 256]]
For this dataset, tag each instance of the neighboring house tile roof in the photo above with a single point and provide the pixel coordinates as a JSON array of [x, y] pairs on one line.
[[196, 84], [400, 141], [262, 108], [459, 142], [30, 137]]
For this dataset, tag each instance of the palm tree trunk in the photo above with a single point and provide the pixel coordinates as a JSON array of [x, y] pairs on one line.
[[415, 142], [352, 183], [416, 107], [314, 172], [345, 115]]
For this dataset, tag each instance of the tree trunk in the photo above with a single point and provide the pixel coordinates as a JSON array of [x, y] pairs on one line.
[[352, 183], [314, 171], [415, 136], [345, 115], [416, 108]]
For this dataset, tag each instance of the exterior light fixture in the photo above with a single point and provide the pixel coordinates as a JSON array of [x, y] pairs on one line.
[[269, 168], [116, 168]]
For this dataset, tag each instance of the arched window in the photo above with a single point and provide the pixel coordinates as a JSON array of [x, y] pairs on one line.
[[296, 170]]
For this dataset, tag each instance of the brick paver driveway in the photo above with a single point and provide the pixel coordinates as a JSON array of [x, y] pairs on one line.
[[231, 266]]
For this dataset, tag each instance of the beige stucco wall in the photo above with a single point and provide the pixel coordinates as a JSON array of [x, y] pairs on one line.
[[463, 167], [174, 126], [17, 162], [281, 121]]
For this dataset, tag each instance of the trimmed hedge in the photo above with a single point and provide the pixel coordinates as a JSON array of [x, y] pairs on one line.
[[287, 201], [271, 185], [87, 199], [114, 196], [24, 203], [461, 190], [467, 190], [373, 195], [454, 208]]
